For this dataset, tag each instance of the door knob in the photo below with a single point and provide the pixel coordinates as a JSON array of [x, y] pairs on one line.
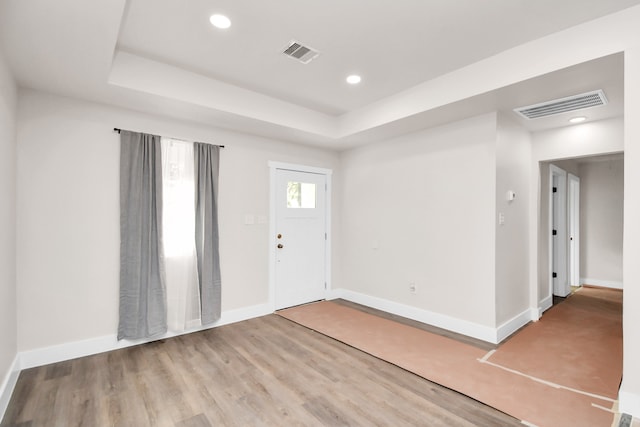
[[279, 236], [280, 246]]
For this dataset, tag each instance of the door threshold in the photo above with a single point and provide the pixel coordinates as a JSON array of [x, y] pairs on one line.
[[300, 305]]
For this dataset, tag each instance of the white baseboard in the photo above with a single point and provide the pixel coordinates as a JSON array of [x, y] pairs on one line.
[[73, 350], [67, 351], [515, 323], [601, 283], [629, 403], [238, 315], [464, 327], [8, 384], [545, 305], [334, 294]]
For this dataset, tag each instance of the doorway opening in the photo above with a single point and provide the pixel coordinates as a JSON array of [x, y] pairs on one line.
[[581, 210]]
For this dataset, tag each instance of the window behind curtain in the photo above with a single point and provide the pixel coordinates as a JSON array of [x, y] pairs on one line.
[[183, 297]]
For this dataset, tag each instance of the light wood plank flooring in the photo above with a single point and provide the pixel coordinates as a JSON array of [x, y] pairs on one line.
[[261, 372]]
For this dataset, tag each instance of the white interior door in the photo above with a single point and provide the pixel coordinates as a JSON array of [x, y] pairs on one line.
[[574, 229], [559, 233], [300, 226]]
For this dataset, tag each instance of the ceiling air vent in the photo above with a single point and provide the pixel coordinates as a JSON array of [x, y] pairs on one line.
[[563, 105], [297, 50]]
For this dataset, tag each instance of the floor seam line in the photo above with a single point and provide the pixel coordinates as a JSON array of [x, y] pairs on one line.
[[487, 356], [545, 382], [595, 405]]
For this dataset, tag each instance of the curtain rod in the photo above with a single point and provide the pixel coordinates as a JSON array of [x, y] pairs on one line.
[[120, 130]]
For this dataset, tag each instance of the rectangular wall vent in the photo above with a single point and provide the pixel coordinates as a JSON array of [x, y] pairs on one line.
[[563, 105], [298, 51]]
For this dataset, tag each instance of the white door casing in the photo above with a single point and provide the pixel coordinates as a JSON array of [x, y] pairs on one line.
[[300, 246]]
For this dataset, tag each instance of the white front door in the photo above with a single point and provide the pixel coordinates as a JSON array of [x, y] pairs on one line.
[[300, 241]]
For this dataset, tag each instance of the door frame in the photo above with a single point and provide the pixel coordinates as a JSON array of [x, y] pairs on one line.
[[561, 230], [273, 168]]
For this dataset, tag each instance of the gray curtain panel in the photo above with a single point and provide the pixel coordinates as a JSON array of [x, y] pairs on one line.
[[207, 160], [143, 301]]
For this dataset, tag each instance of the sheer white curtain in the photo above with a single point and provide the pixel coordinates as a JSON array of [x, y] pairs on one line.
[[183, 295]]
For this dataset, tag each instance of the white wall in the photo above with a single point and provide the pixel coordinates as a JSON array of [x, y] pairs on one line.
[[570, 166], [513, 158], [587, 139], [420, 208], [601, 212], [630, 389], [8, 319], [68, 214]]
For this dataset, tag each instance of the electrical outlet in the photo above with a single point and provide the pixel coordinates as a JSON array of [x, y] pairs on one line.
[[412, 288]]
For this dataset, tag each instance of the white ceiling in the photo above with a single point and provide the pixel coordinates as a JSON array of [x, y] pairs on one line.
[[163, 57], [393, 44]]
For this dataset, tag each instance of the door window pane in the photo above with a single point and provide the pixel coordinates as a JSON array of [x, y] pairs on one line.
[[301, 195]]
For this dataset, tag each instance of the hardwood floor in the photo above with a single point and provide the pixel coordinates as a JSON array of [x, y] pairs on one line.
[[261, 372]]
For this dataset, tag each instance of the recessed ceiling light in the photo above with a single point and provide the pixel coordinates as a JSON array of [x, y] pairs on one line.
[[577, 119], [220, 21], [354, 79]]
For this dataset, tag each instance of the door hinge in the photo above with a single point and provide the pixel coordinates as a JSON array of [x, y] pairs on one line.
[[325, 236], [555, 189], [554, 274], [325, 286], [554, 232]]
